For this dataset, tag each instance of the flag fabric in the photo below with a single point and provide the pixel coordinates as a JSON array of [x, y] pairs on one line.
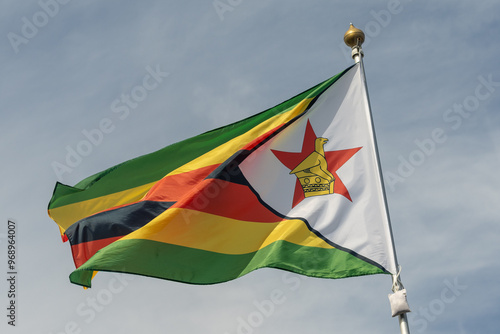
[[296, 187]]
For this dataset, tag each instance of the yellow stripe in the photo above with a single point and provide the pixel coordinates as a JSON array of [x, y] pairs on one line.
[[223, 152], [214, 233], [66, 215]]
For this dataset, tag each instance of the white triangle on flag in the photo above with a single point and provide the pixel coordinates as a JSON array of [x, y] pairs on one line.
[[341, 115]]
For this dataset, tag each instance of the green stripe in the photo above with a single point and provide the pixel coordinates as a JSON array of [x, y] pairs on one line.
[[152, 167], [189, 265]]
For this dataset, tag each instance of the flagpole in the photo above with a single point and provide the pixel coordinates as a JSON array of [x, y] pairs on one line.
[[354, 38]]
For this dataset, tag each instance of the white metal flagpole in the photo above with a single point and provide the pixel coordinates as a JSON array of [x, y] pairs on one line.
[[354, 38]]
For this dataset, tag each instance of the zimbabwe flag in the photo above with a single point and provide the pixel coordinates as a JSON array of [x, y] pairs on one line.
[[295, 187]]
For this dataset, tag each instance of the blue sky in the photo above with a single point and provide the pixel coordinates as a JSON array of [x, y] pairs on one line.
[[434, 82]]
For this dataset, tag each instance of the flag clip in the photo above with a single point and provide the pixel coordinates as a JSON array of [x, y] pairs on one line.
[[399, 304]]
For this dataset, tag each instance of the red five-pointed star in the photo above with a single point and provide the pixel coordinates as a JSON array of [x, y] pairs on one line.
[[335, 160]]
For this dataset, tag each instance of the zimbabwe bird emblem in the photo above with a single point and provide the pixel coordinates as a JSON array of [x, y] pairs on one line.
[[313, 173], [315, 168]]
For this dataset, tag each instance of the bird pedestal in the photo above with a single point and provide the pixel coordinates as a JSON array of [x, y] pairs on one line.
[[314, 185]]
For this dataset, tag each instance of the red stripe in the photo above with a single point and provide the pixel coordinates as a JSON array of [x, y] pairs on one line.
[[84, 251], [230, 200], [174, 187], [171, 188]]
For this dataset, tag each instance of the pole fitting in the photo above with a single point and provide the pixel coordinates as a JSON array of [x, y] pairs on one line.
[[354, 38]]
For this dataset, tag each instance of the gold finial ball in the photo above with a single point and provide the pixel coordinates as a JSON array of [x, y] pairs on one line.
[[354, 36]]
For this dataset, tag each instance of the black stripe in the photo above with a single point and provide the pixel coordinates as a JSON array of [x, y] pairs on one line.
[[115, 223]]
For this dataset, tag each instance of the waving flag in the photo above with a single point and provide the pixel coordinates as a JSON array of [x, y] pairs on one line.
[[295, 187]]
